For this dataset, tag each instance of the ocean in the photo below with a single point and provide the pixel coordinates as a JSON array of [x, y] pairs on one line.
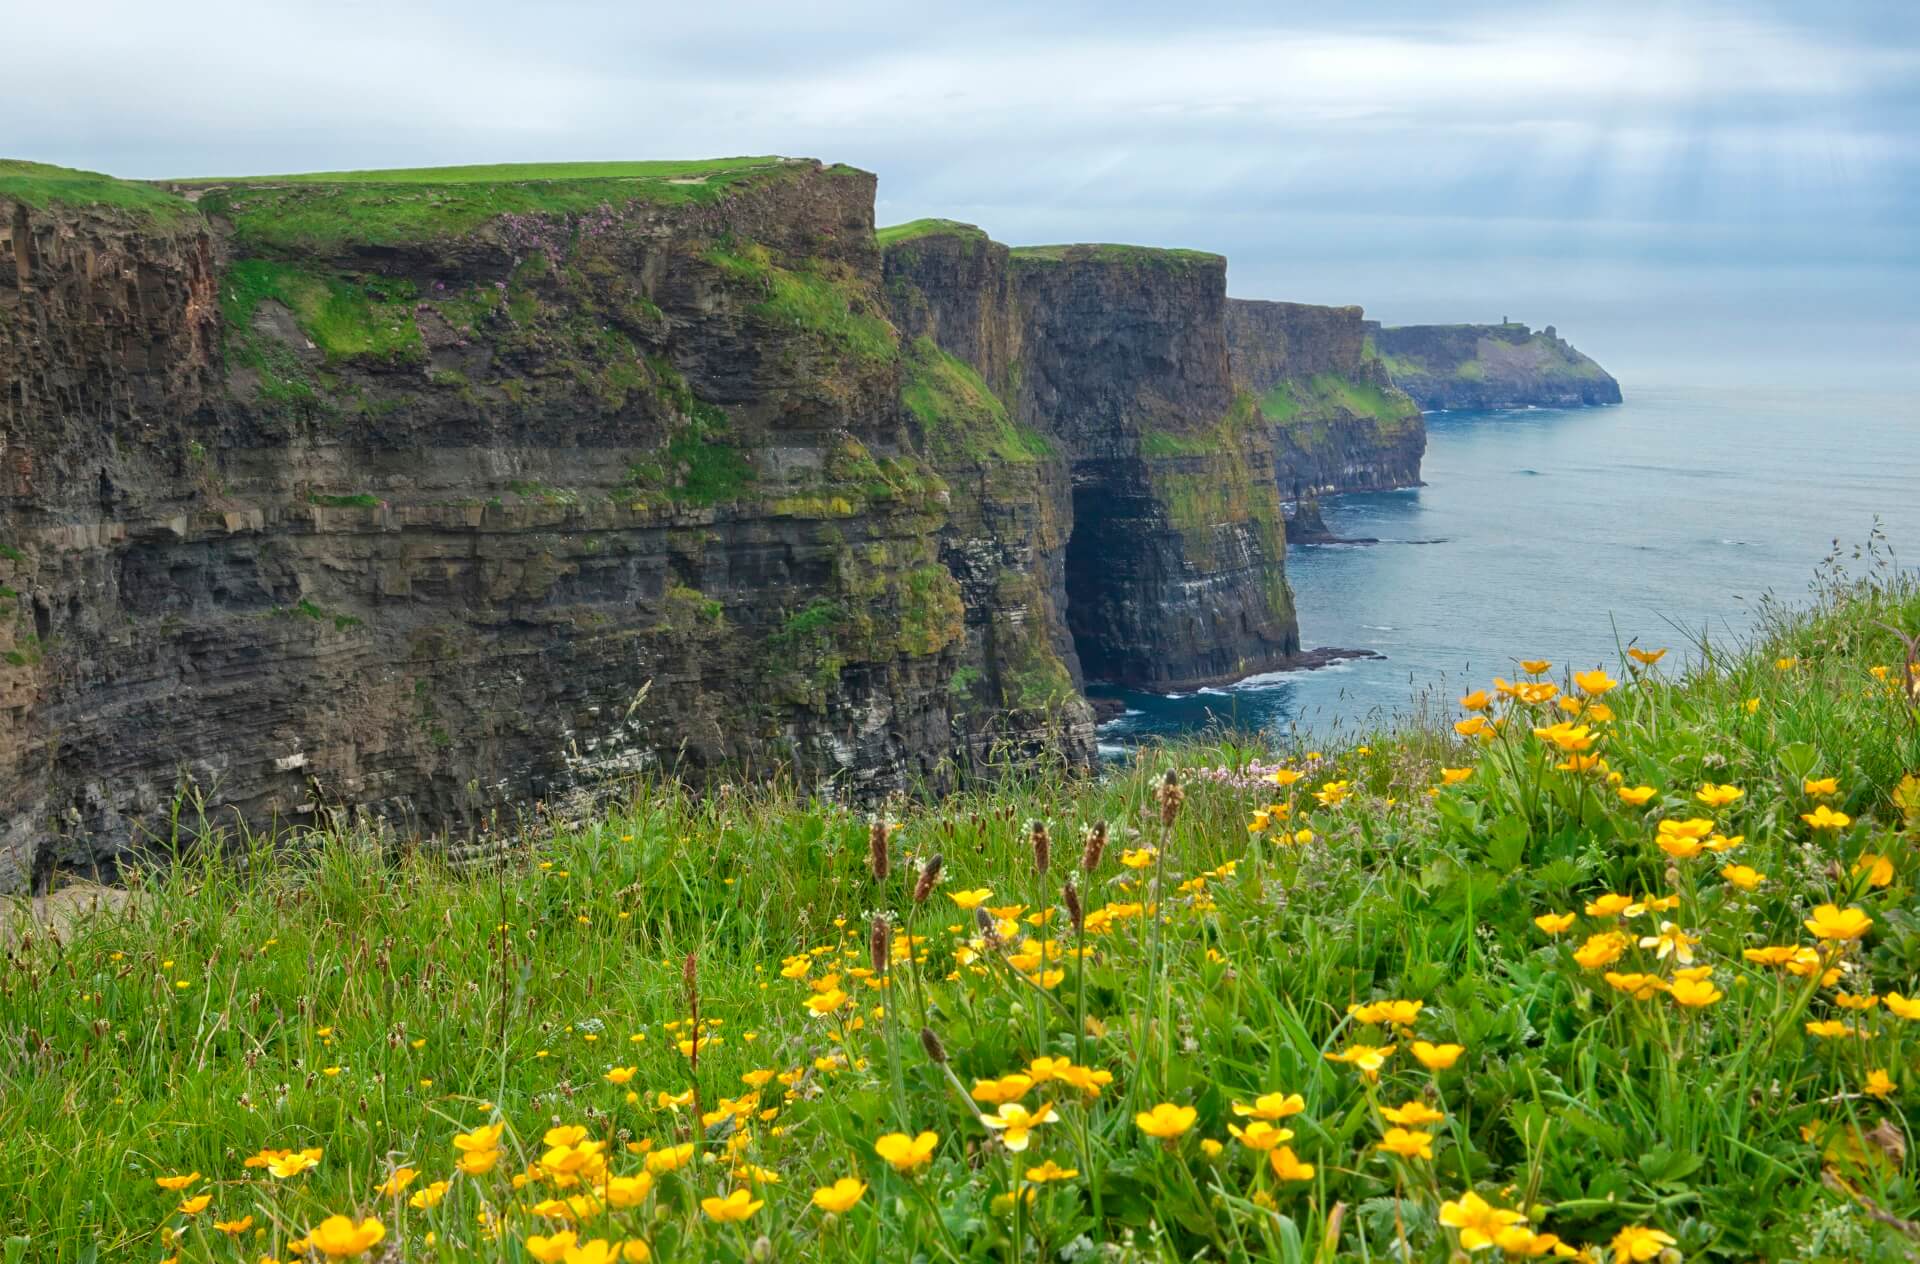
[[1566, 534]]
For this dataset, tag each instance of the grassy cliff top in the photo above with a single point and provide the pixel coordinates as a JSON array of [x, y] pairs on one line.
[[1107, 252], [331, 209], [41, 184], [914, 229], [694, 170]]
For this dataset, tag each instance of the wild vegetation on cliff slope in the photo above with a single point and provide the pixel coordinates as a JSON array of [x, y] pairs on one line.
[[1620, 963]]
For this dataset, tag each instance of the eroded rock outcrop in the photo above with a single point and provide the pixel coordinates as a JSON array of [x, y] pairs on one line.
[[1491, 366], [1339, 422], [1115, 358], [435, 500]]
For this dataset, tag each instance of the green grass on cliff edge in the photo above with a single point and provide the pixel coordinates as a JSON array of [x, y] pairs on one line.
[[40, 184], [912, 230], [1327, 396], [1107, 252], [338, 209], [1499, 978]]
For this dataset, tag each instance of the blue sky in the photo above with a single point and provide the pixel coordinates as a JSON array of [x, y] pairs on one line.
[[1691, 192]]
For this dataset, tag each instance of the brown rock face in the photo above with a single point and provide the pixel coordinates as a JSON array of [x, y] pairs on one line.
[[435, 525], [1115, 357], [1340, 423], [566, 497]]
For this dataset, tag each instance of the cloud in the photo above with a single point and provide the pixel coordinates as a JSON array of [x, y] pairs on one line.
[[1393, 140]]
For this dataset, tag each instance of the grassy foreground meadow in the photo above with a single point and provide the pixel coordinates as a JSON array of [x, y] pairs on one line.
[[1614, 965]]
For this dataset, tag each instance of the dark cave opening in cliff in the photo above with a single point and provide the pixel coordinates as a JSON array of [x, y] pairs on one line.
[[1096, 557]]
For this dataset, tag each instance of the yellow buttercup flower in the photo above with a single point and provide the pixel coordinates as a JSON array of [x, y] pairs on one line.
[[1639, 986], [1902, 1006], [1718, 796], [195, 1205], [1594, 683], [1671, 942], [1407, 1143], [1476, 1220], [1535, 666], [1007, 1088], [1137, 857], [1287, 1165], [1454, 776], [1086, 1079], [1260, 1135], [905, 1153], [340, 1238], [397, 1181], [1437, 1057], [735, 1207], [1472, 726], [1695, 993], [1601, 950], [840, 1196], [1554, 923], [627, 1191], [233, 1228], [1397, 1013], [1639, 1244], [483, 1138], [1041, 1173], [174, 1184], [1877, 868], [1636, 796], [293, 1164], [1333, 793], [670, 1158], [1831, 922], [1166, 1121], [1645, 657], [550, 1250], [1569, 737], [1413, 1114], [1272, 1107], [1825, 818], [1879, 1084], [1015, 1123], [1476, 701], [1366, 1059], [620, 1075], [427, 1197], [1609, 905], [478, 1162], [1743, 876], [1820, 787], [1284, 776], [969, 900]]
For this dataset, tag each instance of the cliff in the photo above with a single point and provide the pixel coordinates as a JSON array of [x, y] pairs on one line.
[[429, 494], [1339, 422], [1491, 366], [1168, 542]]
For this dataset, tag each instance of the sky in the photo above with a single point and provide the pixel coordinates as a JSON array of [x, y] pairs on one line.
[[1693, 193]]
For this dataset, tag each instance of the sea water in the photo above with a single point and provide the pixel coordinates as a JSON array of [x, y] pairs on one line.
[[1567, 534]]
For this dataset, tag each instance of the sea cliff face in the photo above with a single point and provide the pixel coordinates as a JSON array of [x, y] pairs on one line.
[[1114, 358], [426, 498], [1339, 422], [1491, 366]]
